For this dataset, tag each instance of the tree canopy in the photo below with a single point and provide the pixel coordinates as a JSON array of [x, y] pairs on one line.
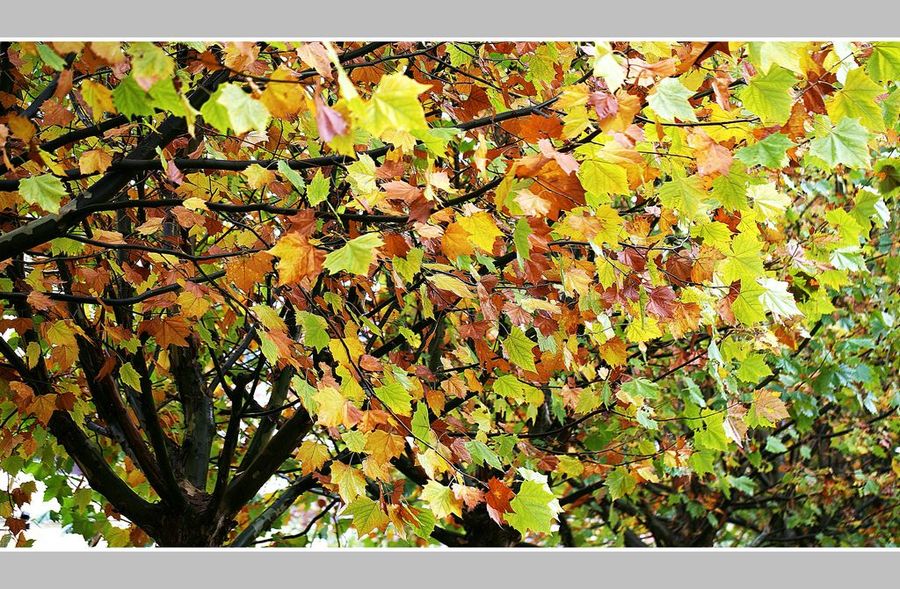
[[472, 294]]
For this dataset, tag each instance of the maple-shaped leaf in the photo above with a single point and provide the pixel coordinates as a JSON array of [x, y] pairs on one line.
[[451, 284], [298, 259], [519, 349], [766, 409], [350, 481], [846, 143], [318, 189], [395, 397], [660, 302], [857, 100], [367, 515], [497, 499], [884, 62], [684, 194], [441, 500], [744, 261], [470, 496], [331, 406], [131, 100], [329, 121], [776, 298], [670, 101], [45, 190], [61, 333], [534, 507], [283, 98], [769, 200], [384, 446], [394, 106], [312, 456], [602, 179], [768, 95], [231, 108], [747, 307], [620, 483], [167, 331], [94, 160], [355, 256], [314, 329], [753, 368], [482, 230], [770, 152]]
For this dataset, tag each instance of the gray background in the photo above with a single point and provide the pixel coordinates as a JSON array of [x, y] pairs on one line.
[[417, 19]]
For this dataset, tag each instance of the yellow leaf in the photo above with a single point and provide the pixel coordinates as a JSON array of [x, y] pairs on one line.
[[351, 482], [98, 97], [481, 229], [94, 160], [283, 98], [331, 407], [312, 456], [451, 284]]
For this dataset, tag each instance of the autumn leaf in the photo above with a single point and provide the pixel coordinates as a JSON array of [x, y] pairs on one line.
[[45, 191], [299, 260], [355, 256]]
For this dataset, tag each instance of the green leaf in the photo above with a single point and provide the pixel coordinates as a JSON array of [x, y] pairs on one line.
[[315, 330], [131, 100], [753, 368], [775, 446], [709, 430], [857, 100], [620, 483], [511, 387], [846, 143], [231, 107], [686, 195], [641, 387], [670, 101], [367, 515], [395, 106], [356, 256], [481, 454], [747, 307], [395, 397], [318, 189], [744, 261], [411, 265], [292, 176], [130, 376], [765, 54], [518, 349], [769, 95], [421, 426], [440, 500], [50, 57], [776, 298], [150, 62], [768, 200], [534, 507], [771, 152], [166, 98], [884, 62], [520, 241], [713, 234], [600, 178], [46, 191], [731, 188]]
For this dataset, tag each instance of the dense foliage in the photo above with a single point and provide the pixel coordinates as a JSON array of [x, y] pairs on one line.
[[478, 294]]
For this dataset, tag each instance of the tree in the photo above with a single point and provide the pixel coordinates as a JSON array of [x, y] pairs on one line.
[[480, 294]]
